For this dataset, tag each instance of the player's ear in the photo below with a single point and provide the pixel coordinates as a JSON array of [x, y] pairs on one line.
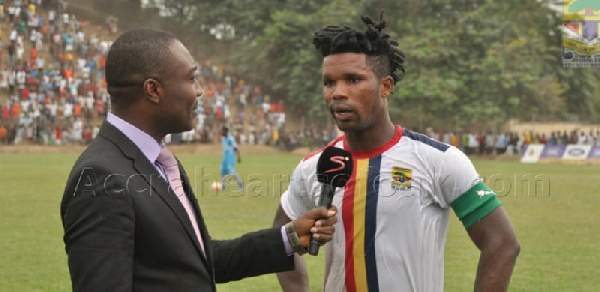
[[386, 85], [153, 90]]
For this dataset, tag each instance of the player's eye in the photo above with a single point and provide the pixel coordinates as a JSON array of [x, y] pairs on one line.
[[353, 79]]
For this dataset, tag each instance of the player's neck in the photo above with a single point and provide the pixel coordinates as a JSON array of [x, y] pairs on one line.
[[370, 139]]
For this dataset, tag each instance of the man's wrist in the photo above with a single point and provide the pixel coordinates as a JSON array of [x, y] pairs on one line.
[[293, 239]]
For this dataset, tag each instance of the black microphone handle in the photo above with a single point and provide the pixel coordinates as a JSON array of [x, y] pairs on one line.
[[325, 200]]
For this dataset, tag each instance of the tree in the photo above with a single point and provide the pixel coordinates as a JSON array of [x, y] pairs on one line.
[[283, 58], [469, 61]]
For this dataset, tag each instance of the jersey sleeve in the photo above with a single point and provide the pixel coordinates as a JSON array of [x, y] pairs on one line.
[[234, 145], [470, 198], [297, 199]]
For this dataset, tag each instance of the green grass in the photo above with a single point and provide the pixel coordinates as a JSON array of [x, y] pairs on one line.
[[558, 225]]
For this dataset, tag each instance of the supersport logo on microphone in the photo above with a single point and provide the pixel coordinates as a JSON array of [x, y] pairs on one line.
[[339, 160], [334, 166]]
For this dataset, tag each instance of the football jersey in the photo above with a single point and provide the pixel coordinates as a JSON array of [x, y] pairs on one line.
[[393, 212], [228, 161]]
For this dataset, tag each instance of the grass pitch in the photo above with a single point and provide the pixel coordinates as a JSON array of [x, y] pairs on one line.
[[553, 208]]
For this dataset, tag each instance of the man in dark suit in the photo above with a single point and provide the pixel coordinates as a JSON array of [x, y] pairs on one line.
[[131, 220]]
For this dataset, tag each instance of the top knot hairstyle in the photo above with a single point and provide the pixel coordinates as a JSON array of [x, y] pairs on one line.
[[383, 56]]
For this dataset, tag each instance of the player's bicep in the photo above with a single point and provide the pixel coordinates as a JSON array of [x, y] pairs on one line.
[[297, 199], [470, 198], [493, 229], [475, 204]]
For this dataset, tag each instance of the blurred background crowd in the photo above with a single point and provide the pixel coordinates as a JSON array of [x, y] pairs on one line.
[[52, 92]]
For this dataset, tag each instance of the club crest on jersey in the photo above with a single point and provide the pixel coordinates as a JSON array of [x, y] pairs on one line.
[[401, 178]]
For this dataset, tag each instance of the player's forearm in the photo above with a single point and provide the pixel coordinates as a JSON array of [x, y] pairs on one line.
[[296, 280], [496, 266]]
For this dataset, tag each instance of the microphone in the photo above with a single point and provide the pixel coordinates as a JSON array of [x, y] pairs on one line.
[[334, 169]]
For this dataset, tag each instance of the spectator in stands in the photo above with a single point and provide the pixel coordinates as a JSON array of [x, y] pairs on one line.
[[552, 140], [582, 139], [563, 138], [513, 144], [3, 134], [489, 143], [501, 143]]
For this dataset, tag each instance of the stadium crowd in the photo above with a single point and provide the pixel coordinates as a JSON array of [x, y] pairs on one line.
[[51, 81], [487, 143], [52, 92], [52, 88]]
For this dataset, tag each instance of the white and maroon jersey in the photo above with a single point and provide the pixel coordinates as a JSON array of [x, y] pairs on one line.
[[393, 212]]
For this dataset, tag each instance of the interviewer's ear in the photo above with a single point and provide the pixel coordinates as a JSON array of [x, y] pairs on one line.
[[386, 86], [153, 90]]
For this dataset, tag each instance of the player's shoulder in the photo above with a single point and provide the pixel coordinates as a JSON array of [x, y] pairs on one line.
[[434, 152], [421, 140], [314, 156]]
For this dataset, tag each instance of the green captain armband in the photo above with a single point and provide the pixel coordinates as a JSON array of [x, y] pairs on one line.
[[475, 204]]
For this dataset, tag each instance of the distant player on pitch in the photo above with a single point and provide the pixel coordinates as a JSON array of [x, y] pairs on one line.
[[230, 149]]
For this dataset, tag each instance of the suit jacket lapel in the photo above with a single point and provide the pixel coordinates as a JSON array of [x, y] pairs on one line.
[[142, 165]]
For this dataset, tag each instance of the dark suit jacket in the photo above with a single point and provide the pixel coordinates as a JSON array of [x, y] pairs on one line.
[[125, 230]]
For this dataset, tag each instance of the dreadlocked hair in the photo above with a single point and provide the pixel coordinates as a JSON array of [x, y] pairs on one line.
[[383, 56]]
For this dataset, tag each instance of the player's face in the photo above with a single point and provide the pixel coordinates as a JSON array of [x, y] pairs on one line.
[[181, 90], [354, 95]]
